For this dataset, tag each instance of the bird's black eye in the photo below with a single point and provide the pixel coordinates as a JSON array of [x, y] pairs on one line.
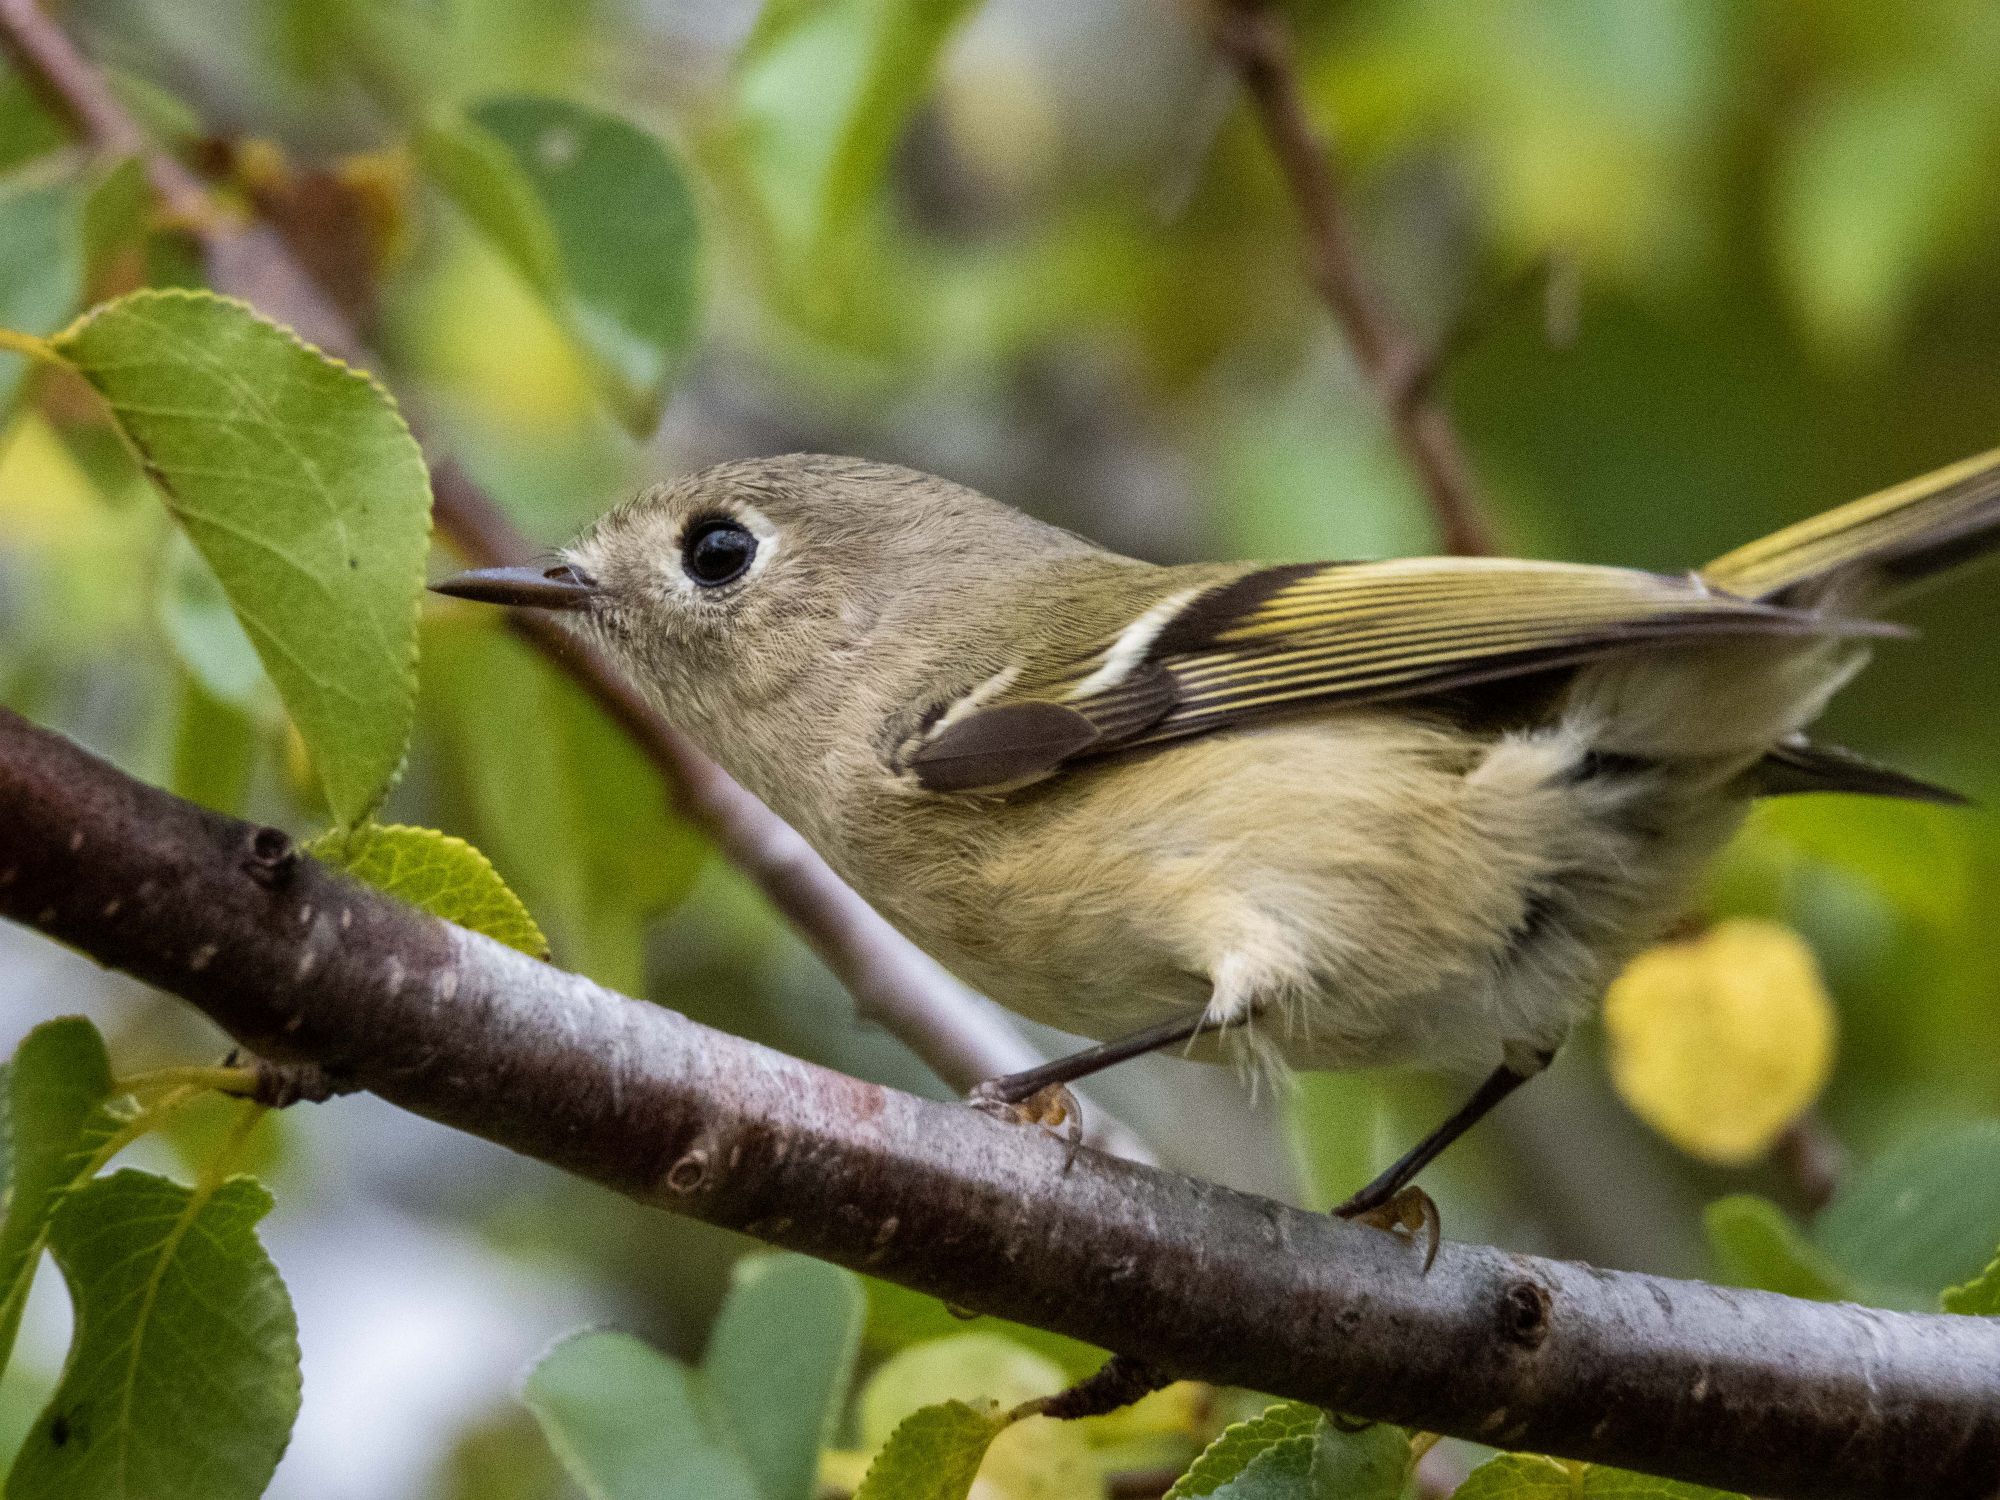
[[717, 552]]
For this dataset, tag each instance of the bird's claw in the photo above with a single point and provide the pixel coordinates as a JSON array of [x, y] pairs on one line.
[[1052, 1108], [1409, 1214]]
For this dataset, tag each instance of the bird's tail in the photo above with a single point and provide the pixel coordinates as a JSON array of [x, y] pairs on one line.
[[1868, 551]]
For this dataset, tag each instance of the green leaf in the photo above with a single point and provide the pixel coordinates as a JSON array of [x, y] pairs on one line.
[[1519, 1476], [1372, 1464], [41, 259], [1881, 185], [297, 480], [1979, 1297], [970, 1367], [480, 175], [823, 91], [215, 748], [183, 1377], [1528, 1476], [625, 236], [1330, 1119], [934, 1453], [1921, 1216], [1238, 1447], [568, 809], [899, 1317], [56, 1104], [1283, 1471], [445, 876], [117, 216], [196, 618], [27, 129], [1757, 1245], [779, 1363], [627, 1424]]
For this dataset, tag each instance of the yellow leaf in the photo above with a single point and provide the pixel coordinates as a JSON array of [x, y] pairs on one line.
[[1721, 1042], [445, 876]]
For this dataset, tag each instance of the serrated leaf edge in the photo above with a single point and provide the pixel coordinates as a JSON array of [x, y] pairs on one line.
[[83, 320]]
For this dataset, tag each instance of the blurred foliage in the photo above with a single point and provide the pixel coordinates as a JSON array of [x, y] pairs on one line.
[[1033, 245]]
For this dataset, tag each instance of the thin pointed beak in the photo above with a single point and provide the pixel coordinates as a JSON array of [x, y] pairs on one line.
[[559, 587]]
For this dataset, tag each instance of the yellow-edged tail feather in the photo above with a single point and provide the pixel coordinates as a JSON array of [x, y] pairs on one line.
[[1874, 547]]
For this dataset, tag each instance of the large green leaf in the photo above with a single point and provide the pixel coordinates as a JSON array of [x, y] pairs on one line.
[[445, 876], [41, 258], [779, 1363], [183, 1376], [625, 238], [298, 481], [57, 1108], [1920, 1217], [628, 1424], [1756, 1245], [934, 1453]]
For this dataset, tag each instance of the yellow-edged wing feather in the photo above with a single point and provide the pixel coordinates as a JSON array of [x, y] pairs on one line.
[[1292, 639]]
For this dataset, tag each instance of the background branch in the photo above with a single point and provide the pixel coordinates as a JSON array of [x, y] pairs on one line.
[[1750, 1390], [957, 1034], [1258, 46]]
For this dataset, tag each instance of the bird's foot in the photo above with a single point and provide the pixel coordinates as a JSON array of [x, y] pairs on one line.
[[1409, 1214], [1052, 1108]]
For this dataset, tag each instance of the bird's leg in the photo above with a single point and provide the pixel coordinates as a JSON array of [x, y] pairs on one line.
[[1390, 1202], [1041, 1096]]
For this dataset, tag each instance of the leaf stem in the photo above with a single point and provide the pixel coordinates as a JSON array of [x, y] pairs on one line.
[[34, 348], [222, 1079]]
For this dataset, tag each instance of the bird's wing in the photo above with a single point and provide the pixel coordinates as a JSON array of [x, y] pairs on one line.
[[1309, 636]]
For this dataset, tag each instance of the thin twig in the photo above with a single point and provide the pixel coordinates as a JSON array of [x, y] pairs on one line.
[[956, 1033], [1258, 45], [1747, 1390]]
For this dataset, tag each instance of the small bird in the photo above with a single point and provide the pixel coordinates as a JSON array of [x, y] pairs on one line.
[[1322, 815]]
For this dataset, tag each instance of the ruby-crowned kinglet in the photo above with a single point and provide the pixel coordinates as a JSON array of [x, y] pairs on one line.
[[1339, 815]]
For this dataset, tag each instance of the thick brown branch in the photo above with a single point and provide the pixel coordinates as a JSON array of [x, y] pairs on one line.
[[1255, 40], [1757, 1392], [895, 985]]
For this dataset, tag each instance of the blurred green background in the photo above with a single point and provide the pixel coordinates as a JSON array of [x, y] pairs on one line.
[[1056, 266]]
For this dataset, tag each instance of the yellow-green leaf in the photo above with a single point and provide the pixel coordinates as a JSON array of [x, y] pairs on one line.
[[934, 1454], [1979, 1297], [445, 876], [297, 479], [1722, 1041]]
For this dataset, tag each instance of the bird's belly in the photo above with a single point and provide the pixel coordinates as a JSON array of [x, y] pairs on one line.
[[1362, 890]]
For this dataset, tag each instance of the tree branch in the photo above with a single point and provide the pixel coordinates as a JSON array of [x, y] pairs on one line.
[[894, 984], [1745, 1389], [1257, 44]]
